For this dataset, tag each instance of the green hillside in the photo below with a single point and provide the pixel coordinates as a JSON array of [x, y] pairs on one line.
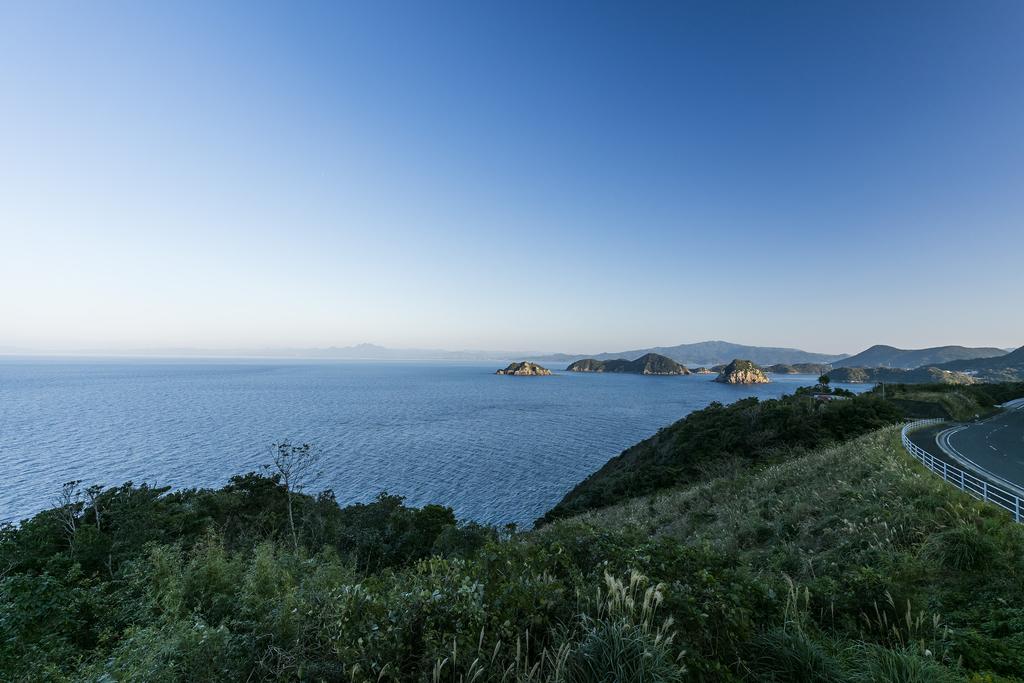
[[926, 375], [882, 572], [1008, 368], [721, 438]]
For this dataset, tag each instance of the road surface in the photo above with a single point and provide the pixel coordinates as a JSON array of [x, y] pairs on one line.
[[994, 446]]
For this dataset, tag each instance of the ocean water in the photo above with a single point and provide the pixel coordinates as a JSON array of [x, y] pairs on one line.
[[496, 449]]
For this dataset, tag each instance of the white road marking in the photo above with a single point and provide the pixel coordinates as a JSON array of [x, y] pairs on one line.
[[944, 441]]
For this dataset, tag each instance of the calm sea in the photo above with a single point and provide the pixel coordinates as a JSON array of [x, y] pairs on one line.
[[496, 449]]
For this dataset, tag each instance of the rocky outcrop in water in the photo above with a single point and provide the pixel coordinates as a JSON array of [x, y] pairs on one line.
[[742, 372], [647, 364], [798, 368], [524, 369]]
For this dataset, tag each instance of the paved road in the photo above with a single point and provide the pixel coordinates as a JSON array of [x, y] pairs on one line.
[[995, 445]]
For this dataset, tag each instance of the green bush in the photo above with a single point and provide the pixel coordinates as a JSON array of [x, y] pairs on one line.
[[963, 547], [787, 654], [884, 665], [620, 652]]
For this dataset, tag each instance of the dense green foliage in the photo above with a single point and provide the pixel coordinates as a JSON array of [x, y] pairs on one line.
[[107, 574], [721, 437], [949, 401]]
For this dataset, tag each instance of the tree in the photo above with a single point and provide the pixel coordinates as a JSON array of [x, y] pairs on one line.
[[68, 501], [823, 380], [298, 467], [92, 493]]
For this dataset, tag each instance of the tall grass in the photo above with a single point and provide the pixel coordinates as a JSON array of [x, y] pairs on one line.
[[619, 638], [880, 570]]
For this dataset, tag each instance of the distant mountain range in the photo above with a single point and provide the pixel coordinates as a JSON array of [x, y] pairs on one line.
[[357, 352], [375, 352], [1005, 368], [706, 353], [986, 364], [882, 356]]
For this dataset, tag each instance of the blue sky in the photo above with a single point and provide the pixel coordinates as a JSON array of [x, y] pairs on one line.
[[549, 176]]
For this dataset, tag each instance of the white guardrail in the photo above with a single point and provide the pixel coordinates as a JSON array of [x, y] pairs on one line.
[[965, 481]]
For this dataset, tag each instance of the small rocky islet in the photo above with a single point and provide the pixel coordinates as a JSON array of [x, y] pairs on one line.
[[524, 369], [798, 368], [742, 372]]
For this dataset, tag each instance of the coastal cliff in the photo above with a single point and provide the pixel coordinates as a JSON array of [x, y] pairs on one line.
[[742, 372]]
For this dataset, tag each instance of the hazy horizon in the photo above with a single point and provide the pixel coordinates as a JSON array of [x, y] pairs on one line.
[[318, 353], [520, 178]]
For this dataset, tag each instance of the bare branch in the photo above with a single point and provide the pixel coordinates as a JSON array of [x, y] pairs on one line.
[[299, 468]]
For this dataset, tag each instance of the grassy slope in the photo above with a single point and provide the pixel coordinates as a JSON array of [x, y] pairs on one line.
[[959, 403], [714, 439], [952, 405], [853, 525]]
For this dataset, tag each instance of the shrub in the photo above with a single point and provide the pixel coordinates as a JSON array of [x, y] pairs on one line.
[[884, 665], [788, 654], [963, 547], [615, 650], [625, 643], [184, 650]]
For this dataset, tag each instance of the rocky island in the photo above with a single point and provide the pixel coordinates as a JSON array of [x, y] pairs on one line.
[[524, 369], [742, 372], [647, 364], [798, 368]]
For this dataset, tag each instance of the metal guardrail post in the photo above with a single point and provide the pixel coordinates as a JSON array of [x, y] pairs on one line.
[[984, 490]]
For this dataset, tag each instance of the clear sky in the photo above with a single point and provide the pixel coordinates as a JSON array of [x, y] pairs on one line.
[[544, 176]]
